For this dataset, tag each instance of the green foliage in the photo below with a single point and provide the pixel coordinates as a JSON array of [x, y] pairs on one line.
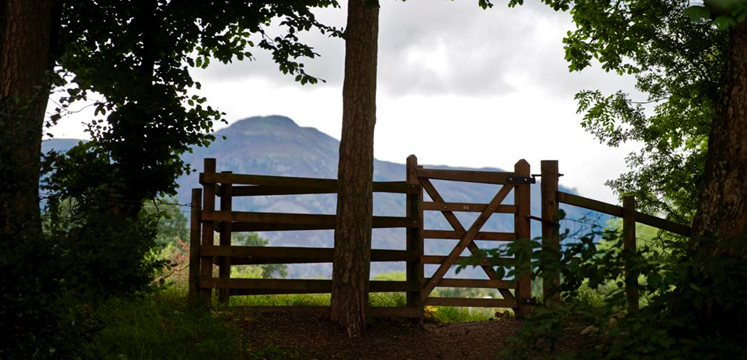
[[138, 56], [161, 326], [41, 313], [678, 65], [695, 306]]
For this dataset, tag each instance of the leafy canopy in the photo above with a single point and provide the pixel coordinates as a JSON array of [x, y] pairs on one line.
[[678, 66], [138, 55]]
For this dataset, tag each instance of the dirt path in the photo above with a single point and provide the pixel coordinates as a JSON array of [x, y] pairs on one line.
[[315, 337]]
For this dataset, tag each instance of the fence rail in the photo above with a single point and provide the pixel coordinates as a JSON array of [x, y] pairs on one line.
[[207, 221], [552, 198]]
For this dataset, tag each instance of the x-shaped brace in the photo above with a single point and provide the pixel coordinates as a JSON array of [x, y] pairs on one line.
[[467, 240]]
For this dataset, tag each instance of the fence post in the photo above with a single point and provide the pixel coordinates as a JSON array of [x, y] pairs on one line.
[[523, 233], [550, 229], [208, 228], [629, 246], [224, 265], [415, 268], [194, 247]]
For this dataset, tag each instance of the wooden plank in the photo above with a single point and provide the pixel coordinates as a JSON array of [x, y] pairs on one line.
[[264, 190], [286, 181], [466, 207], [484, 177], [297, 285], [590, 204], [248, 255], [194, 247], [457, 226], [208, 204], [475, 283], [466, 239], [298, 182], [550, 228], [266, 284], [467, 302], [485, 235], [298, 219], [615, 210], [397, 187], [440, 259], [415, 270], [522, 227], [629, 246], [405, 312], [224, 263], [663, 224]]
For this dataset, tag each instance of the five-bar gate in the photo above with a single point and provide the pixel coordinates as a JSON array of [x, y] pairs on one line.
[[209, 252]]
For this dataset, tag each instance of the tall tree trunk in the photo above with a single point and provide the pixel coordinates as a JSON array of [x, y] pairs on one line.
[[722, 211], [24, 91], [355, 174]]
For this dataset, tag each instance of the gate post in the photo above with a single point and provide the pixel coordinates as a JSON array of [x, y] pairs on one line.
[[224, 264], [208, 227], [415, 268], [550, 230], [523, 233], [194, 247]]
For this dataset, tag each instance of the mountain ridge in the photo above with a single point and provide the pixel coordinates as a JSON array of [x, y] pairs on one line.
[[276, 145]]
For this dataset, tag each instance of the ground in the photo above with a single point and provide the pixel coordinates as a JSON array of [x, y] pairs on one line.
[[312, 336]]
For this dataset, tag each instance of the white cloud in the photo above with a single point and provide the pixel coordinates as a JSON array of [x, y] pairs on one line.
[[458, 85]]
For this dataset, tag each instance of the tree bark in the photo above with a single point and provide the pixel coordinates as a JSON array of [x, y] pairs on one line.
[[352, 258], [722, 211], [24, 90]]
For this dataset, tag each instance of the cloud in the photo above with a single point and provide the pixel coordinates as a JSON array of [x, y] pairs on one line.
[[429, 47]]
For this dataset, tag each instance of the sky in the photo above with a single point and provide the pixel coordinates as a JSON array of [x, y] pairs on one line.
[[457, 86]]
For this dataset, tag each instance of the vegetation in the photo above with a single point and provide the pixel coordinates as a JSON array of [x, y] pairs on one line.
[[693, 304], [86, 278]]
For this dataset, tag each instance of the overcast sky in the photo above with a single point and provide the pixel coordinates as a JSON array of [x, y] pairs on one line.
[[458, 86]]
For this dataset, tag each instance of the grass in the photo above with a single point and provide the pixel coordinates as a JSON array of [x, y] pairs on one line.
[[435, 314], [161, 326]]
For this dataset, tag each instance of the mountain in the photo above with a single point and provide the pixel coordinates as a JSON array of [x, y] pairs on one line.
[[275, 145]]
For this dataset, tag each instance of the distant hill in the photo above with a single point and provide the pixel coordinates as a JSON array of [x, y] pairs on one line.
[[276, 145]]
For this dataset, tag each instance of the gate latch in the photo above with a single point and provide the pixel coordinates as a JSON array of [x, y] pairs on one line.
[[520, 180]]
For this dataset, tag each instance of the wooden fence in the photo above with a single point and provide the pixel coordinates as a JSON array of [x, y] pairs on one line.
[[206, 221], [551, 199]]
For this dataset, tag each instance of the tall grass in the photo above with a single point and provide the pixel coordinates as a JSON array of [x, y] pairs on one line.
[[161, 326]]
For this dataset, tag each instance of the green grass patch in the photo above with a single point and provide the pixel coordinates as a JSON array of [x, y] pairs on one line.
[[450, 314], [282, 300], [161, 326]]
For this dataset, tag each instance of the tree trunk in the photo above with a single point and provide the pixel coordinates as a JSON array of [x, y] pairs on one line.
[[24, 91], [355, 173], [722, 212]]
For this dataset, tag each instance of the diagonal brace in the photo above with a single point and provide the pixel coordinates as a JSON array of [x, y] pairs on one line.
[[466, 239]]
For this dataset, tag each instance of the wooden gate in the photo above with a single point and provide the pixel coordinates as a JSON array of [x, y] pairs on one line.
[[519, 181], [206, 222]]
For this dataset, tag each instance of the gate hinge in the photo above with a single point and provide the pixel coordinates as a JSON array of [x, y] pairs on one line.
[[520, 180]]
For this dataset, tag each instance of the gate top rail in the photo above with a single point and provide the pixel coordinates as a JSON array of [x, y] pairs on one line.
[[476, 176], [286, 185], [618, 211]]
